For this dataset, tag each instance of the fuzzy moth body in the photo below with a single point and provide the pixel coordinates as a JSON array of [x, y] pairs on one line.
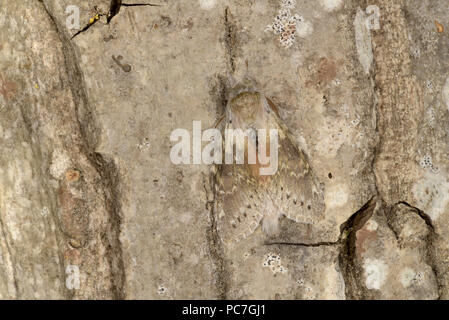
[[245, 197]]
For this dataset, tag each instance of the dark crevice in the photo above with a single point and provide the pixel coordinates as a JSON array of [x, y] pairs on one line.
[[359, 218], [111, 239], [299, 244], [349, 270], [346, 243], [140, 5], [388, 220], [105, 167], [230, 39], [355, 222], [215, 246], [431, 260], [115, 6], [421, 213], [221, 96], [86, 27], [430, 245], [214, 243], [114, 9], [430, 240]]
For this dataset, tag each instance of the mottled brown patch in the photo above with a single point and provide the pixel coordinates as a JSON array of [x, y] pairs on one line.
[[364, 236], [7, 88], [440, 27], [72, 256], [72, 175], [326, 72], [73, 216]]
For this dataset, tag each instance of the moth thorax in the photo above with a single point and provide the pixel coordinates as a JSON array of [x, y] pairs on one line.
[[245, 105]]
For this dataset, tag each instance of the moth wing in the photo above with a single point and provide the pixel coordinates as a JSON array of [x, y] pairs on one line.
[[295, 187], [238, 203], [240, 200]]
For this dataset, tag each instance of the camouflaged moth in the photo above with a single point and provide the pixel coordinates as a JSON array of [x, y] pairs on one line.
[[244, 196]]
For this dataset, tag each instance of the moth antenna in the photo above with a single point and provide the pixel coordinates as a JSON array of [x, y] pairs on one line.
[[272, 106], [219, 121]]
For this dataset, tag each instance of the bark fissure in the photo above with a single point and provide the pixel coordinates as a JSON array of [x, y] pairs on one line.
[[397, 114], [85, 28], [106, 168], [230, 39], [140, 5], [300, 244], [114, 7], [349, 270], [214, 242], [430, 245]]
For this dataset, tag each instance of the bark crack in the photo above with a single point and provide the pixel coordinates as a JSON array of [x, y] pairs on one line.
[[301, 244], [230, 39], [86, 27], [350, 272], [430, 245], [114, 9], [106, 168], [213, 240], [115, 6]]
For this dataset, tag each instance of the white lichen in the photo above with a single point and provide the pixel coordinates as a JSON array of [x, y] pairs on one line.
[[415, 51], [273, 262], [375, 273], [406, 277], [45, 211], [426, 163], [60, 163], [288, 25], [431, 116], [337, 196], [331, 5], [161, 290], [145, 144], [431, 194], [207, 4], [371, 225]]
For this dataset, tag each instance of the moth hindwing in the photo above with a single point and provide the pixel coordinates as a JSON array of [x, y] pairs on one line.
[[245, 197]]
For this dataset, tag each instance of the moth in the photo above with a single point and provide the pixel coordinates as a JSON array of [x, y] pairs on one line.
[[245, 197]]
